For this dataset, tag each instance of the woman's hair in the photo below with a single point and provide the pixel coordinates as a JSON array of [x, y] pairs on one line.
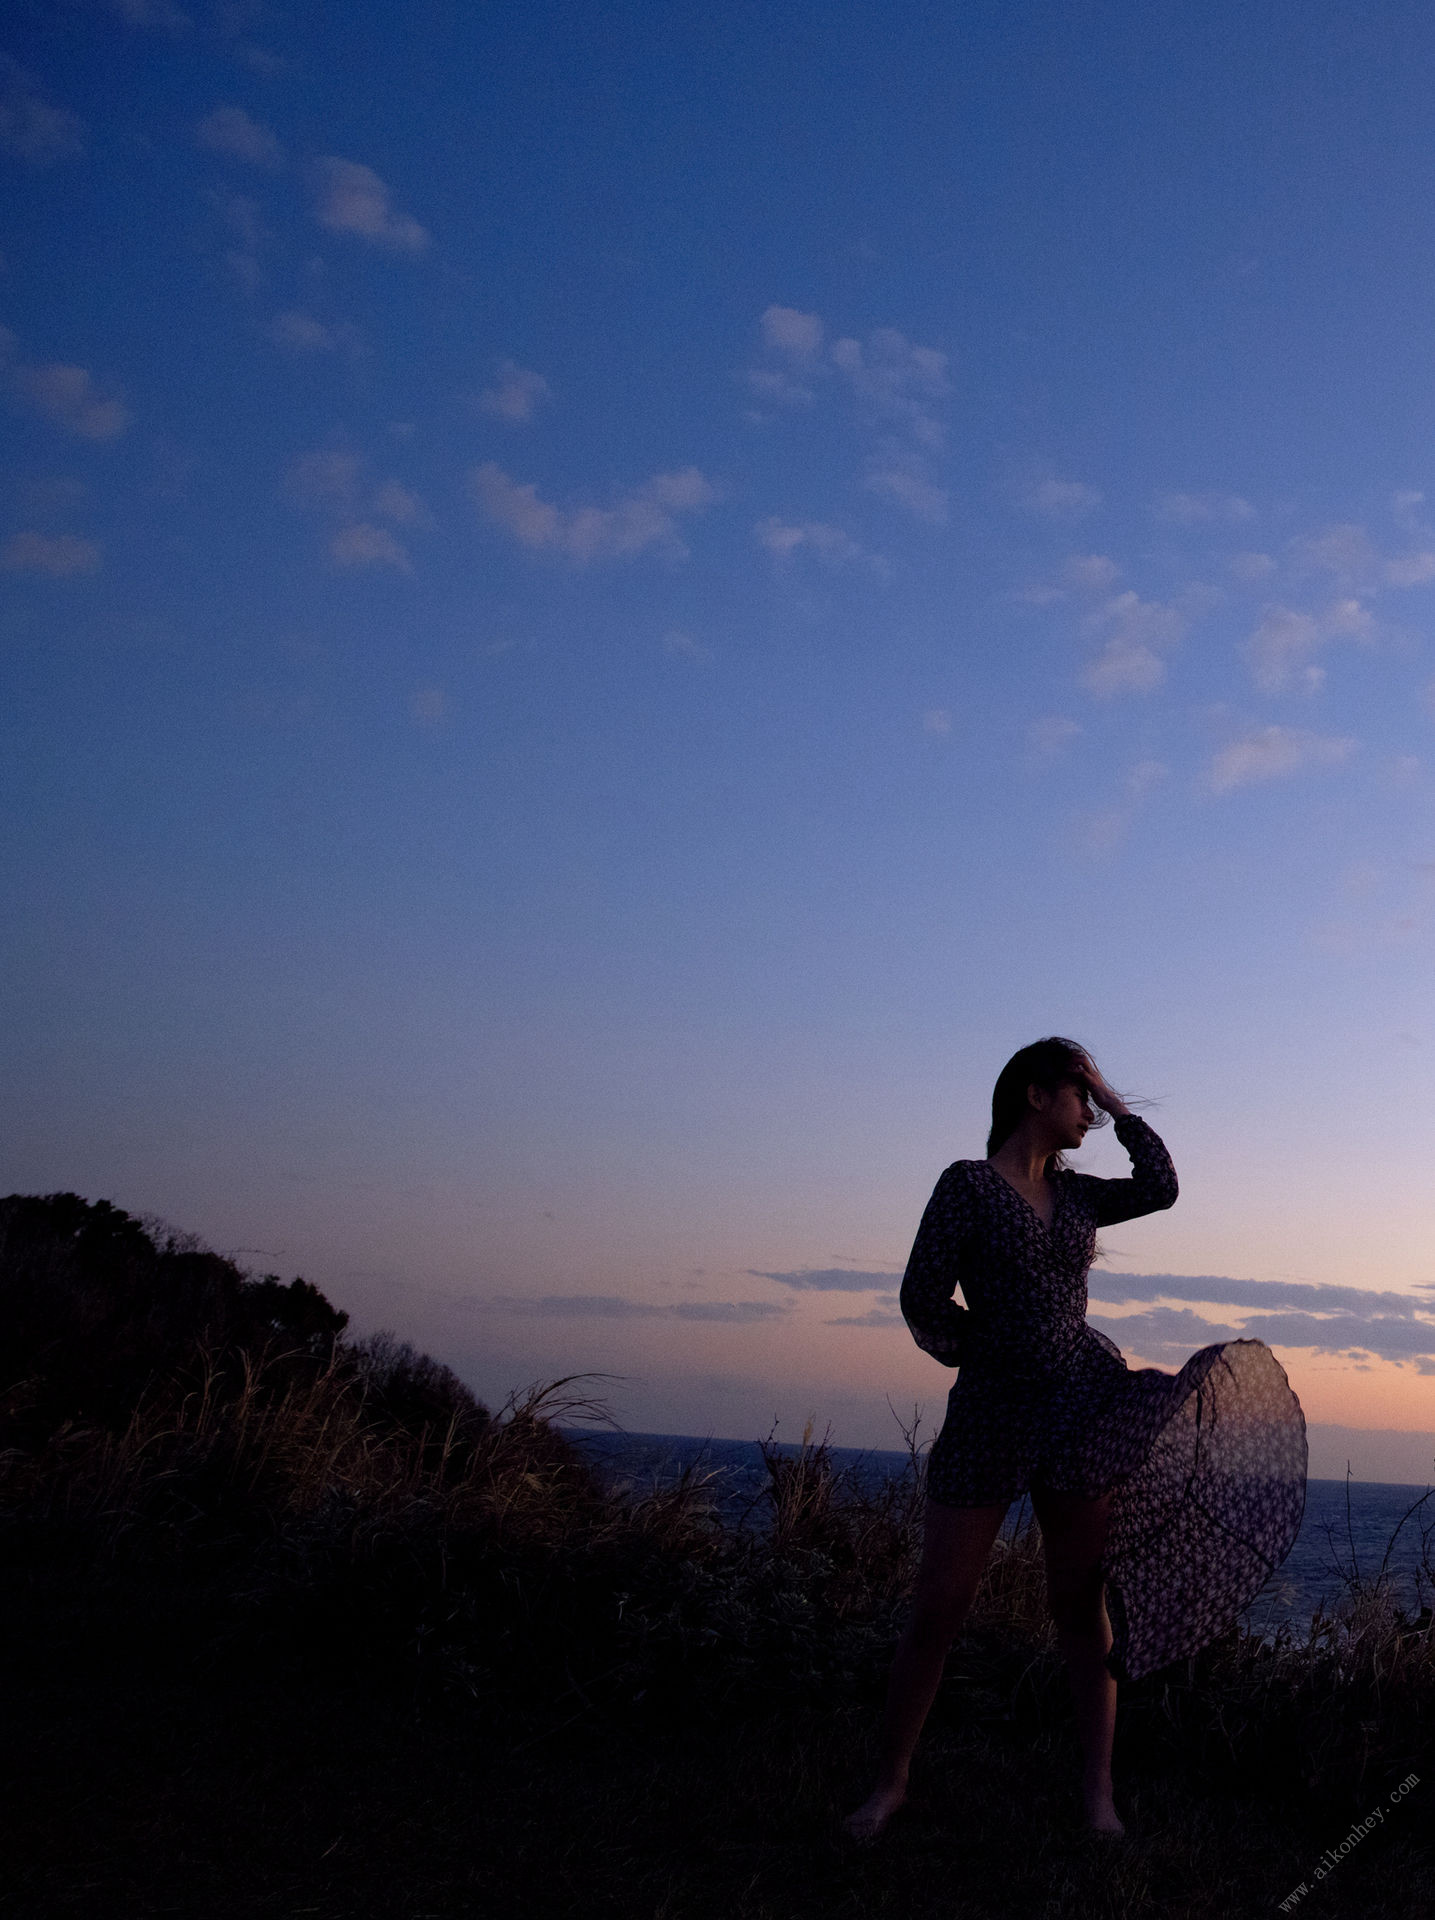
[[1045, 1063]]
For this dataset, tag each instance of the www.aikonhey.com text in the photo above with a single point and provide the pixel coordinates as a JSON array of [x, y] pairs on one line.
[[1333, 1856]]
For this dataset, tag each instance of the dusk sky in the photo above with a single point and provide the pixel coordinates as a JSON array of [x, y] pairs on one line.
[[607, 606]]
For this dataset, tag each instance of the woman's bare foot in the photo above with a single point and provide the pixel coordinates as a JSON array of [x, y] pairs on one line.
[[872, 1816], [1102, 1817]]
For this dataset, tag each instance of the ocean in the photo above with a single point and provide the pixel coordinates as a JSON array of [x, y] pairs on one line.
[[1343, 1525]]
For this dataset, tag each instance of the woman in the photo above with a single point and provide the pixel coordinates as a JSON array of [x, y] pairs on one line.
[[1173, 1497]]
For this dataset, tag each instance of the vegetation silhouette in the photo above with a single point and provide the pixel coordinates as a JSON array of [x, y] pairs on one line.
[[320, 1578]]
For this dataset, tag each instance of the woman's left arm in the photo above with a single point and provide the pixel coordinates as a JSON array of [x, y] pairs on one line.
[[1152, 1185]]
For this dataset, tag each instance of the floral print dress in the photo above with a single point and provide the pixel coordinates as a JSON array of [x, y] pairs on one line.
[[1206, 1467]]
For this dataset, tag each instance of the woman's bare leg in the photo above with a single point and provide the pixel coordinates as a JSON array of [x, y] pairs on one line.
[[1073, 1533], [954, 1551]]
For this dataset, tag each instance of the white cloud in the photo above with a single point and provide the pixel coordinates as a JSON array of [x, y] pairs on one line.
[[904, 482], [787, 331], [646, 517], [54, 554], [1100, 833], [1137, 634], [1145, 775], [684, 647], [895, 381], [1274, 753], [259, 59], [1090, 573], [68, 397], [516, 393], [326, 479], [351, 198], [1281, 648], [793, 341], [1037, 596], [1063, 499], [161, 16], [937, 720], [1347, 552], [399, 504], [783, 538], [229, 130], [338, 486], [1251, 568], [1405, 507], [365, 545], [1410, 569], [1344, 550], [1192, 509], [30, 128], [302, 333], [1046, 738]]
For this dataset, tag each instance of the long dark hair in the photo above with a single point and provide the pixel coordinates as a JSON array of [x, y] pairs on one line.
[[1045, 1063]]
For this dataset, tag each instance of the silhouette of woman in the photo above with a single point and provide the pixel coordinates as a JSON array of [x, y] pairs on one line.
[[1164, 1500]]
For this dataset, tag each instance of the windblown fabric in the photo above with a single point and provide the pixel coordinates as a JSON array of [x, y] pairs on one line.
[[1206, 1466]]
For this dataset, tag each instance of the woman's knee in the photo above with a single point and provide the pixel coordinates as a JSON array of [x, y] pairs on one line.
[[937, 1613]]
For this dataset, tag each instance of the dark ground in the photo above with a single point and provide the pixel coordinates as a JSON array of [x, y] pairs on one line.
[[163, 1758]]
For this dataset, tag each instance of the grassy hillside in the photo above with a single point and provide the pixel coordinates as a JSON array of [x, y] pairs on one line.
[[292, 1624]]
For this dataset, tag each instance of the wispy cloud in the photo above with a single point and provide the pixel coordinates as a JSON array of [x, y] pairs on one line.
[[798, 335], [1250, 568], [904, 481], [231, 131], [1136, 636], [301, 333], [337, 486], [793, 342], [1274, 753], [609, 1306], [55, 554], [1197, 509], [646, 517], [683, 646], [365, 545], [31, 128], [351, 198], [70, 398], [1346, 552], [784, 538], [873, 1317], [1050, 736], [401, 505], [1059, 499], [516, 394], [156, 16], [896, 382], [832, 1280], [894, 387], [1280, 650], [1332, 1319]]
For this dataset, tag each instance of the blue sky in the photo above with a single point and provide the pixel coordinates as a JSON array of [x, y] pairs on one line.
[[605, 608]]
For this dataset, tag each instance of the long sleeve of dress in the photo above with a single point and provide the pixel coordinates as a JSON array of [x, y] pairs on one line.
[[936, 1321], [1152, 1184]]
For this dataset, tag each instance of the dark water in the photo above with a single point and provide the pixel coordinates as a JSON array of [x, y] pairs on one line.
[[1330, 1538]]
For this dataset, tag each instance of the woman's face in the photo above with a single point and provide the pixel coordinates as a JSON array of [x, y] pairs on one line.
[[1067, 1111]]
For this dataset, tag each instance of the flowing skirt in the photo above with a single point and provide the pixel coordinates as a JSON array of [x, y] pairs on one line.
[[1205, 1468], [1210, 1507]]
